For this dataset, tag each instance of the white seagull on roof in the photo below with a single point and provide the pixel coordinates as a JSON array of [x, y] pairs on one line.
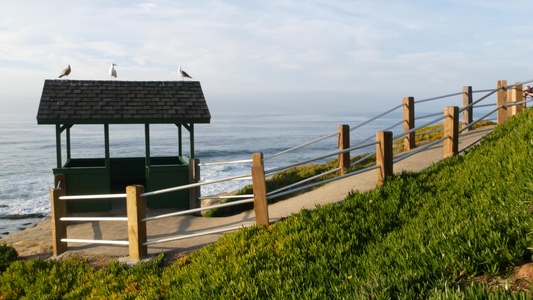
[[183, 74], [65, 72], [112, 71]]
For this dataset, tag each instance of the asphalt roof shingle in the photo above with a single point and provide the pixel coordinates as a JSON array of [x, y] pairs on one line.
[[124, 102]]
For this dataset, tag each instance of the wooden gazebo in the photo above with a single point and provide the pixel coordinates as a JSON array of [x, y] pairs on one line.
[[65, 103]]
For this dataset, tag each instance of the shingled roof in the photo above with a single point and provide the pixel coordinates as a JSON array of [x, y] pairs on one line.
[[122, 102]]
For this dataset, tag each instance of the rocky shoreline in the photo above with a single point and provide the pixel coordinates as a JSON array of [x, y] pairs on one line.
[[11, 224]]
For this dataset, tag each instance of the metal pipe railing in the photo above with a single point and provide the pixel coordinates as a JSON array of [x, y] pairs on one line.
[[303, 181], [192, 185], [322, 182], [419, 127], [110, 242], [88, 197], [428, 132], [195, 235], [225, 197], [376, 117], [194, 210], [438, 97], [469, 126], [400, 158], [225, 162], [301, 146], [428, 116], [279, 169], [92, 219], [470, 145], [480, 99], [363, 158], [373, 137]]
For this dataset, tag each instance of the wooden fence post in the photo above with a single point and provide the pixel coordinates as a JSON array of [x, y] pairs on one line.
[[344, 143], [501, 100], [194, 177], [384, 155], [467, 113], [451, 131], [259, 186], [59, 210], [409, 122], [516, 95], [136, 210]]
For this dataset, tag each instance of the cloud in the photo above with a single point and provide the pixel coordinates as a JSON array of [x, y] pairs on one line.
[[241, 50]]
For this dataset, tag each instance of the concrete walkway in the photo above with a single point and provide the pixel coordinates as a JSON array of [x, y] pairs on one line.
[[38, 239]]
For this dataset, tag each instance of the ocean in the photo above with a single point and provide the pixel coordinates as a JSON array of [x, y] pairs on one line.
[[28, 151]]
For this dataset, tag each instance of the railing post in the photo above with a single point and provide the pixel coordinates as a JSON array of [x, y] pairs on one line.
[[259, 186], [344, 143], [194, 177], [516, 95], [451, 131], [136, 210], [501, 100], [59, 210], [384, 155], [409, 122], [467, 113]]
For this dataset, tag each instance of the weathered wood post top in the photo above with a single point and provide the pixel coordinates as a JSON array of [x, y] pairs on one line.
[[65, 103]]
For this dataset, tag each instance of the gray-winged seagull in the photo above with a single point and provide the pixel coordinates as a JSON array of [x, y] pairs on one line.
[[65, 72], [183, 74], [112, 71]]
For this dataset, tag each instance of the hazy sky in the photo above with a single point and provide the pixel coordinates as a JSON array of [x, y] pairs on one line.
[[276, 55]]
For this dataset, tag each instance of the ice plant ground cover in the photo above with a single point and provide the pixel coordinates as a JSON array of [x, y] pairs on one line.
[[438, 234]]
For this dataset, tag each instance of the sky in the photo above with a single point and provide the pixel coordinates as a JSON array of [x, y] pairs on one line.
[[269, 56]]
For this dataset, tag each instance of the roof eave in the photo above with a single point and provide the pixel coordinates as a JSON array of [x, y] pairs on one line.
[[123, 121]]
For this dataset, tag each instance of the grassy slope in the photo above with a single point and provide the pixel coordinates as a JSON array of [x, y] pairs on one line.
[[421, 235]]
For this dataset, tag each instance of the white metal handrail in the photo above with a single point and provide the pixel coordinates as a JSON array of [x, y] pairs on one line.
[[400, 158], [279, 169], [483, 105], [196, 235], [373, 136], [91, 219], [86, 197], [419, 127], [111, 242], [192, 185], [469, 126], [428, 116], [226, 162], [439, 97], [363, 158], [303, 181], [323, 182], [480, 99], [518, 103], [225, 197], [376, 117], [194, 210], [301, 146], [428, 132], [483, 91], [470, 145]]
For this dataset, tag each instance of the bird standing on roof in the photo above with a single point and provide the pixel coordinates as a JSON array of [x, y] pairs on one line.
[[65, 72], [183, 74], [112, 71]]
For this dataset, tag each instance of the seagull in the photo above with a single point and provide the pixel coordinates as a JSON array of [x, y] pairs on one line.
[[65, 72], [183, 74], [112, 71]]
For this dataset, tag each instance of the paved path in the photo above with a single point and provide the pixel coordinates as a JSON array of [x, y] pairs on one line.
[[37, 239]]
